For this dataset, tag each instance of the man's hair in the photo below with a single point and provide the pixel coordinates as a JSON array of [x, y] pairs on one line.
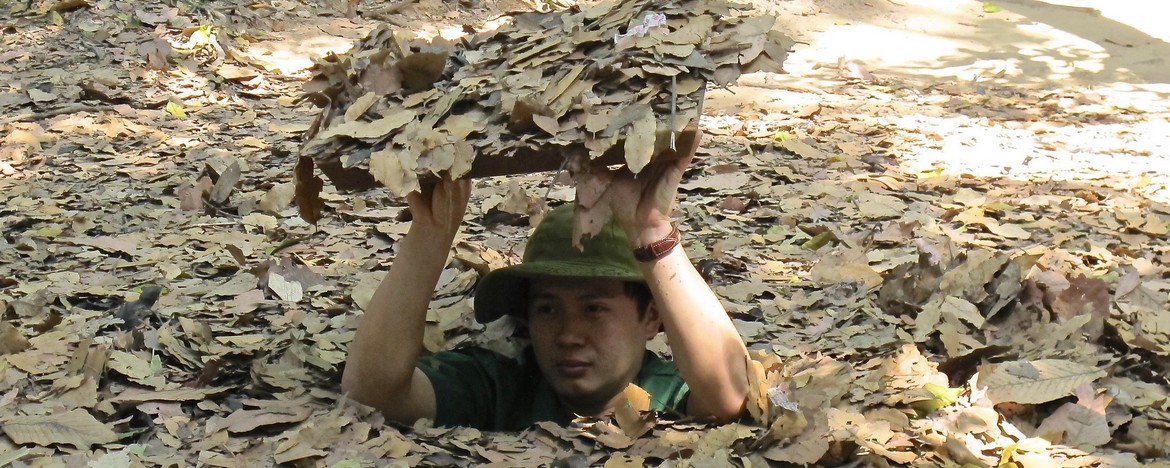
[[640, 293], [636, 290]]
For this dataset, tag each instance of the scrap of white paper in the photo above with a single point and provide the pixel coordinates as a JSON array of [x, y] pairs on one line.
[[652, 20]]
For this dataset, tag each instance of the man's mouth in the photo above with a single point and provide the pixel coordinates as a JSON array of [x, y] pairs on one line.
[[572, 369]]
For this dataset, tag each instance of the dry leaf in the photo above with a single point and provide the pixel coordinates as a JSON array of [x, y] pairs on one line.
[[360, 106], [639, 147], [76, 427], [632, 412], [1034, 382], [179, 394], [11, 340], [308, 191]]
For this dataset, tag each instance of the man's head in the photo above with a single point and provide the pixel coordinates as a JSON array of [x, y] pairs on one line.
[[589, 312]]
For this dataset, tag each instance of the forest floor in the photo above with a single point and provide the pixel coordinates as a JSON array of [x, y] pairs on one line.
[[942, 233]]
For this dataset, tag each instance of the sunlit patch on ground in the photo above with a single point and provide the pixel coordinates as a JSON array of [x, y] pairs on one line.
[[1015, 153]]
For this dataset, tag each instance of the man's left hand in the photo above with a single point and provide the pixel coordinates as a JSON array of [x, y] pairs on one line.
[[642, 202]]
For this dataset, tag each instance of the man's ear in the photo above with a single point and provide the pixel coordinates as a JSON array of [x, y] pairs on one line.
[[651, 321]]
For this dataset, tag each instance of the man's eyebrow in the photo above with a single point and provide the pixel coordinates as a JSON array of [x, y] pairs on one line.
[[582, 296], [591, 295]]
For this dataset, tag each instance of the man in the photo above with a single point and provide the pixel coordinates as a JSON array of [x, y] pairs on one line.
[[587, 313]]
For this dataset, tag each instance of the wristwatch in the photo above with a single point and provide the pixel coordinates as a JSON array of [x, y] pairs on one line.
[[659, 248]]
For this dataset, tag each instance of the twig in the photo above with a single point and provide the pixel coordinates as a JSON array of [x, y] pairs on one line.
[[69, 109], [392, 8], [212, 225]]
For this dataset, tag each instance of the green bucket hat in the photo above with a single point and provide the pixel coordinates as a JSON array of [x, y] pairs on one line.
[[550, 252]]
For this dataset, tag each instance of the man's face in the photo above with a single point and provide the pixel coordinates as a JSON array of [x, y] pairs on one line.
[[588, 337]]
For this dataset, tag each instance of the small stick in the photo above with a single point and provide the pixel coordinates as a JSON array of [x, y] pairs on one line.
[[673, 103]]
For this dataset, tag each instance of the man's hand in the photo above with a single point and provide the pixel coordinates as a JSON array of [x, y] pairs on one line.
[[438, 210], [380, 367], [705, 343], [642, 203]]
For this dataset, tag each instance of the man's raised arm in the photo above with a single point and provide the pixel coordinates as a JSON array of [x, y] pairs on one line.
[[380, 369], [708, 350]]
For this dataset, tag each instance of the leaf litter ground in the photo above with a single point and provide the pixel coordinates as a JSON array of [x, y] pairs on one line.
[[929, 273]]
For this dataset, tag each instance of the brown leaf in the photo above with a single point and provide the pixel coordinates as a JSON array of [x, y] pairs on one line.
[[278, 198], [308, 191], [640, 138], [421, 70], [548, 124], [178, 394], [122, 244], [236, 73], [366, 130], [1084, 295], [76, 427], [387, 166], [1081, 423], [1033, 382], [225, 184], [191, 195], [725, 181], [244, 420], [11, 340], [360, 106], [845, 265], [757, 402], [156, 51]]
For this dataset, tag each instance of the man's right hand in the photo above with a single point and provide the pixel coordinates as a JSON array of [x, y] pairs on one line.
[[380, 368], [438, 210]]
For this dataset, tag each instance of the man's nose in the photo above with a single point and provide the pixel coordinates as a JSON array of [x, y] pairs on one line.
[[572, 331]]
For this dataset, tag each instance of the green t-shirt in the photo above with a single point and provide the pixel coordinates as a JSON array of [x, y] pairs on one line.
[[487, 390]]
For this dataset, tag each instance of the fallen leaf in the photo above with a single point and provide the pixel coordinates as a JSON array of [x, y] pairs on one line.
[[11, 340], [76, 427], [632, 412], [1034, 382]]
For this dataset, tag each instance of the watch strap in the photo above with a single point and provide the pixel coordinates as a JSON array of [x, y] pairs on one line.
[[659, 248]]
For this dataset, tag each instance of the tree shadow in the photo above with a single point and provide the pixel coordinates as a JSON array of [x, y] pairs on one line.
[[1117, 40], [1030, 43], [1115, 37]]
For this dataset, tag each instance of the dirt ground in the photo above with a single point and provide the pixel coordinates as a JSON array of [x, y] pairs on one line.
[[1016, 153]]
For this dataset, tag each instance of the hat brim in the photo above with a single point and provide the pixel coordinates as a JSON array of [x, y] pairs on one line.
[[503, 291]]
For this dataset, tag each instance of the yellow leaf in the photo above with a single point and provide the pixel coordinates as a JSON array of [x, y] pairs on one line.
[[176, 110], [629, 412], [757, 403], [56, 18], [946, 394]]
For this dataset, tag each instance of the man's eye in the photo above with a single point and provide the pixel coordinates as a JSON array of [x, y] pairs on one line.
[[596, 308], [542, 309]]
